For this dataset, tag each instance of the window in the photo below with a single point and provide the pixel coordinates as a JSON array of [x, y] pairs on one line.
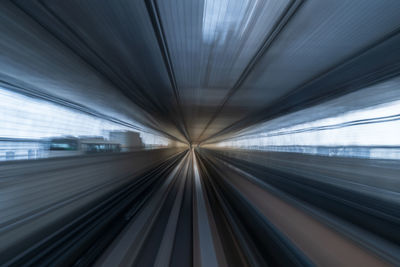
[[31, 127], [367, 132]]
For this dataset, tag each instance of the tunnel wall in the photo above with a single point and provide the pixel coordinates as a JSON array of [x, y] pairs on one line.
[[341, 171], [357, 197], [38, 197]]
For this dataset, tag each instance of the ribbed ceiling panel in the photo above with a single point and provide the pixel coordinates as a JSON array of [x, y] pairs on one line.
[[211, 43]]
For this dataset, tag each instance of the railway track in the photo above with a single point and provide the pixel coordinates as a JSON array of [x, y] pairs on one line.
[[204, 208]]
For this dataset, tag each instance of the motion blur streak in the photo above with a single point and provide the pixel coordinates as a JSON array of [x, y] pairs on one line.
[[200, 133]]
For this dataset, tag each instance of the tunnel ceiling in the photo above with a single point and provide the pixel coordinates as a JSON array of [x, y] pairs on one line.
[[197, 69]]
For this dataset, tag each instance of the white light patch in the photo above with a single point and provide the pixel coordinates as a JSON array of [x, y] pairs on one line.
[[25, 117], [222, 17], [376, 128]]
